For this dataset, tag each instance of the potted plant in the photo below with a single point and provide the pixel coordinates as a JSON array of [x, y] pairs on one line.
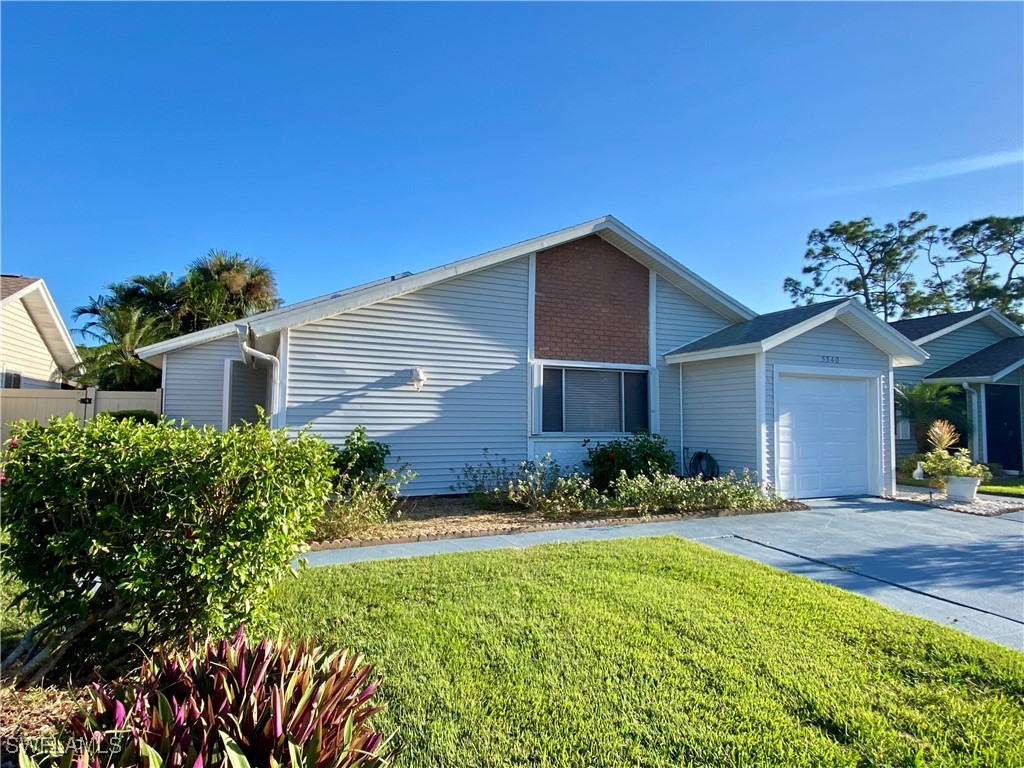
[[951, 469]]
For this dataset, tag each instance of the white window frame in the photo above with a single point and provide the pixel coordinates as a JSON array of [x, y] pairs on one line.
[[538, 399], [904, 428]]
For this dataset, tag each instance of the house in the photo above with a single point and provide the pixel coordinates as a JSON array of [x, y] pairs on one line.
[[981, 351], [590, 332], [35, 347]]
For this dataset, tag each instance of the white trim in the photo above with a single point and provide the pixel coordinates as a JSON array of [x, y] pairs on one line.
[[580, 364], [760, 372], [982, 454], [653, 377], [281, 416], [889, 476], [163, 383], [876, 481], [225, 408], [990, 314], [22, 291], [893, 343], [532, 387]]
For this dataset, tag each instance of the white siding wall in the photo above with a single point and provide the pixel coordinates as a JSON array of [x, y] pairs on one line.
[[944, 351], [832, 339], [194, 381], [469, 335], [947, 349], [720, 411], [22, 349], [249, 388], [679, 319]]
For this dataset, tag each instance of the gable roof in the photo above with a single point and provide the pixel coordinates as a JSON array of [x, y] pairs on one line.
[[767, 331], [986, 365], [921, 330], [607, 227], [36, 298]]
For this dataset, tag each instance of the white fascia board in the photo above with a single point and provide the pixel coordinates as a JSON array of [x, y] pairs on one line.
[[989, 314], [57, 337], [703, 286], [18, 294], [895, 344], [714, 354], [153, 353], [959, 380]]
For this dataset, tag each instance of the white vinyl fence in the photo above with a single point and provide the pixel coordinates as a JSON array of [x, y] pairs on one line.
[[42, 404]]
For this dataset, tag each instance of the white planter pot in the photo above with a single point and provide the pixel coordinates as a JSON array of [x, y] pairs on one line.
[[962, 488]]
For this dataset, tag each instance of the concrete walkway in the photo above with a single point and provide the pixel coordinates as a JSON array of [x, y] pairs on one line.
[[960, 570]]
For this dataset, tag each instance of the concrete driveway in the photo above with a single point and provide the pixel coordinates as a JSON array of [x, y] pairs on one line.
[[957, 569]]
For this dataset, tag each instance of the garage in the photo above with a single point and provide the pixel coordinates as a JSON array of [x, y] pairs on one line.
[[827, 430]]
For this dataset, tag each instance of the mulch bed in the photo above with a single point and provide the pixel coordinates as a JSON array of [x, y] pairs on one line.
[[429, 518], [29, 716]]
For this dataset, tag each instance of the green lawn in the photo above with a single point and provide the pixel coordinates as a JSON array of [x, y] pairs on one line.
[[657, 652], [1000, 486]]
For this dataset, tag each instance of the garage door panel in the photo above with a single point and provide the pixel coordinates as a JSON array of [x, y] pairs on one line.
[[823, 434]]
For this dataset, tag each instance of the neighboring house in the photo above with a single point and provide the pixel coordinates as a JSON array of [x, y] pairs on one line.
[[35, 347], [981, 351], [587, 333]]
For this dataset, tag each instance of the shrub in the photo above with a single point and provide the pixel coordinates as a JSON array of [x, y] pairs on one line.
[[537, 486], [366, 488], [662, 492], [127, 535], [139, 415], [639, 454], [278, 703]]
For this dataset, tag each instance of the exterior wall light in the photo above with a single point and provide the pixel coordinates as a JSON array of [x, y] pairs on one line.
[[418, 379]]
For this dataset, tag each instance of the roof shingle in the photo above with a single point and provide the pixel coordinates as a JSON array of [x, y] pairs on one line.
[[985, 362], [11, 284], [919, 327], [760, 328]]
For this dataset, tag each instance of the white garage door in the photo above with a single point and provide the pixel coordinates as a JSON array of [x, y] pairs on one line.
[[824, 436]]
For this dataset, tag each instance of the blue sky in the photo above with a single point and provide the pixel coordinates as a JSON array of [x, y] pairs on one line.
[[345, 142]]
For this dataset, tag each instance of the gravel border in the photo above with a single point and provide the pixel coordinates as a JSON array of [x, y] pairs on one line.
[[504, 530], [982, 506]]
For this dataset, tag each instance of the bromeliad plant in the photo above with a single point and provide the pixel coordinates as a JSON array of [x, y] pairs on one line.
[[232, 704]]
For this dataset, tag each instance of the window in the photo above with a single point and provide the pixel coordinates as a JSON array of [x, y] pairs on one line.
[[12, 380], [593, 400], [904, 429]]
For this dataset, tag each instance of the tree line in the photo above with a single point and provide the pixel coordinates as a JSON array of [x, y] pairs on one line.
[[976, 265], [144, 309]]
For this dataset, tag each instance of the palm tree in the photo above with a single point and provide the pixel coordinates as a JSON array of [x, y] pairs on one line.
[[222, 286], [113, 364], [924, 403], [156, 295]]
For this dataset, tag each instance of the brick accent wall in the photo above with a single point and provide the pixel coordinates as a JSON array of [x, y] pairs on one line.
[[591, 304]]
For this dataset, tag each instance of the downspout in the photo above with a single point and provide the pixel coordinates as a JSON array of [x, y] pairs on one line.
[[276, 376], [973, 400]]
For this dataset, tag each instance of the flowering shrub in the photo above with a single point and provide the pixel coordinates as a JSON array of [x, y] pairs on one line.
[[662, 492], [533, 485], [130, 535], [639, 454]]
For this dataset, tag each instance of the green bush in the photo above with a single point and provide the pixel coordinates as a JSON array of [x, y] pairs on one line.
[[138, 414], [128, 536], [662, 493], [366, 488], [275, 703], [640, 454]]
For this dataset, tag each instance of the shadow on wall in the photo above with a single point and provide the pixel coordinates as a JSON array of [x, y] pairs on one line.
[[435, 431]]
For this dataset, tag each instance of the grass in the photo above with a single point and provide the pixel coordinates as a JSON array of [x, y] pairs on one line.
[[998, 486], [657, 652]]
